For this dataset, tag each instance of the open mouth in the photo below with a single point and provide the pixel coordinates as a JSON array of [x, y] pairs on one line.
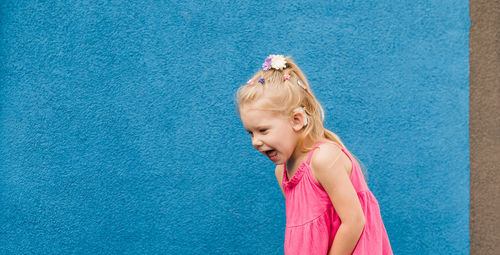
[[272, 154]]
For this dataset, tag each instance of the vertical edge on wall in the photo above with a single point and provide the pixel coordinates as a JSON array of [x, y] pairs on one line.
[[484, 126]]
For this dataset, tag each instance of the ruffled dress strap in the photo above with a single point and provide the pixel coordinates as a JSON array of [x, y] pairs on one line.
[[295, 179]]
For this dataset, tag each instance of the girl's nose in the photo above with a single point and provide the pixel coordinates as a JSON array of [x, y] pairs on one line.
[[256, 142]]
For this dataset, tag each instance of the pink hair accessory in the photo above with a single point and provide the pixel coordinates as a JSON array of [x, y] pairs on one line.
[[250, 81], [286, 77]]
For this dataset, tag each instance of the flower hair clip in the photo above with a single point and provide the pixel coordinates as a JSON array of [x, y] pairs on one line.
[[260, 80], [286, 77], [277, 62]]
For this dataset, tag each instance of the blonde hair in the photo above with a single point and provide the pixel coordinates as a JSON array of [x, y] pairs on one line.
[[283, 96]]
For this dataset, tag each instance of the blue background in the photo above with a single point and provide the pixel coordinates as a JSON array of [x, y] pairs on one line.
[[119, 134]]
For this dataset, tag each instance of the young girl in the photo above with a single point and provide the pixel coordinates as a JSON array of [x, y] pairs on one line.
[[329, 208]]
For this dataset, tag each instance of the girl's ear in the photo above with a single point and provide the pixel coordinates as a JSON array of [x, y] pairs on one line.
[[297, 121]]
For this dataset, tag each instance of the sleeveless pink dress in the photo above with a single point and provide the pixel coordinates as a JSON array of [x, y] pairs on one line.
[[311, 220]]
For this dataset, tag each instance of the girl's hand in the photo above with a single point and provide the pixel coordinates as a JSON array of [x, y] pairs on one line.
[[334, 176]]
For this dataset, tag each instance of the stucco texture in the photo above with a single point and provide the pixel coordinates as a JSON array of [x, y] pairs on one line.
[[119, 133]]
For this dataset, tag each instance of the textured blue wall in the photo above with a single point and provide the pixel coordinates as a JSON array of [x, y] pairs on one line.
[[118, 130]]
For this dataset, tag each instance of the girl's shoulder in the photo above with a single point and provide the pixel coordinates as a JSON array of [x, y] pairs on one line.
[[329, 157], [279, 171], [325, 152], [279, 176]]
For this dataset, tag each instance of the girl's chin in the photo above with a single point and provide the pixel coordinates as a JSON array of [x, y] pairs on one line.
[[278, 162]]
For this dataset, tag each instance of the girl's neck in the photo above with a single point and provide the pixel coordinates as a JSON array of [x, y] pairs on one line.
[[299, 155]]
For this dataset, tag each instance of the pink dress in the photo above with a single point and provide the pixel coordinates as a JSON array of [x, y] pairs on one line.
[[311, 220]]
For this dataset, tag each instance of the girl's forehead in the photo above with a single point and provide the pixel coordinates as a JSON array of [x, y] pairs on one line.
[[262, 105], [259, 109], [257, 117], [254, 113]]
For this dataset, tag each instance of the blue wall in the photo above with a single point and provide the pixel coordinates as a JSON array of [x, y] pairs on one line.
[[118, 130]]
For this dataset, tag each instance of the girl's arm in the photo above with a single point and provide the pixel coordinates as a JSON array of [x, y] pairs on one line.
[[334, 177], [279, 176]]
